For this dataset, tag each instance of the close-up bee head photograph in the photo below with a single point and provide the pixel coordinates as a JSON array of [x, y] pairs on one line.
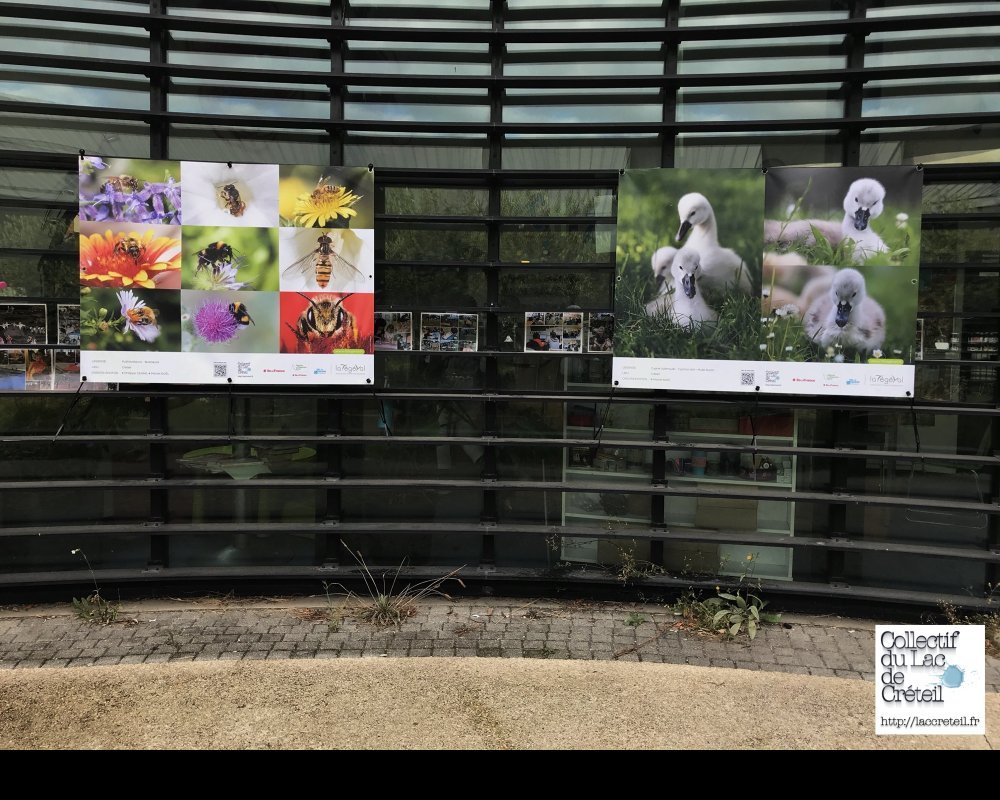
[[229, 322], [327, 322], [130, 319], [219, 259], [326, 197]]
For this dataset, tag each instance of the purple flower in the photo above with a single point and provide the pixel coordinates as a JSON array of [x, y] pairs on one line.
[[214, 322]]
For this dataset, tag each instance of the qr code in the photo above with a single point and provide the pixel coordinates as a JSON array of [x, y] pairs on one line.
[[219, 370], [243, 368], [746, 377], [772, 376]]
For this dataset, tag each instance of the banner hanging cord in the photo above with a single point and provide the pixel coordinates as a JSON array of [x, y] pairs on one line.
[[599, 433], [913, 421], [381, 412], [72, 405]]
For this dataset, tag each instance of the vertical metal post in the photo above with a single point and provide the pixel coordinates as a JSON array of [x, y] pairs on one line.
[[159, 84], [337, 89], [669, 52], [853, 88], [329, 422], [488, 514], [840, 470]]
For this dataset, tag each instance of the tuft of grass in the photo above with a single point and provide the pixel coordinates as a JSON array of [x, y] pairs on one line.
[[385, 602], [94, 608], [634, 619]]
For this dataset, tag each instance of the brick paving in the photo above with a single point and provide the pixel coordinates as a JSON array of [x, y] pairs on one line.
[[506, 628]]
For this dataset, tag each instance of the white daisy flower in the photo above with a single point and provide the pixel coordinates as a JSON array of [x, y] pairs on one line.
[[139, 319], [770, 335], [839, 358], [790, 310], [243, 195], [788, 349], [901, 219], [876, 354], [763, 347]]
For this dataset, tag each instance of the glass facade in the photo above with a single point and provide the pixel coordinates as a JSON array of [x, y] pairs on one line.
[[498, 129]]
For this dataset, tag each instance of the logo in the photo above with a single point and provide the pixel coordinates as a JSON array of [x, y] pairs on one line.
[[772, 376], [351, 369], [803, 380], [878, 379], [930, 679], [243, 368], [853, 381], [274, 372], [299, 367], [319, 371]]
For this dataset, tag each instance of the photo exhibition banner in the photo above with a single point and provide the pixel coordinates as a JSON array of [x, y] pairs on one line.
[[793, 281], [197, 272]]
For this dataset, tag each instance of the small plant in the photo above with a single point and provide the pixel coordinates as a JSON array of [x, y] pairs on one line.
[[635, 619], [989, 619], [733, 612], [386, 605], [631, 569], [94, 608]]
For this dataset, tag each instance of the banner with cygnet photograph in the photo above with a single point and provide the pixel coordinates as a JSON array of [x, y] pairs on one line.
[[790, 280]]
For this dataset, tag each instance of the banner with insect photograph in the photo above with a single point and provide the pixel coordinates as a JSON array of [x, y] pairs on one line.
[[790, 280], [197, 272]]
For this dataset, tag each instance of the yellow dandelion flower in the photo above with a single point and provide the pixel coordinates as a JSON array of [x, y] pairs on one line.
[[324, 204]]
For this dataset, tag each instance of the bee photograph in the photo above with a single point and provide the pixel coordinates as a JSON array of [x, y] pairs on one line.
[[393, 330], [326, 197], [12, 370], [130, 319], [230, 259], [68, 321], [230, 195], [130, 190], [124, 255], [323, 259], [38, 370], [327, 322], [229, 322], [66, 369], [23, 323]]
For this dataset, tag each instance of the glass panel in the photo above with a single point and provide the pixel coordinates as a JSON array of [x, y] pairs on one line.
[[538, 152], [412, 200], [555, 202], [941, 144], [53, 553], [42, 276], [541, 289], [251, 145], [417, 505], [50, 134], [273, 504], [545, 372], [467, 153], [544, 419], [420, 460], [416, 549], [48, 228], [73, 506], [76, 88], [32, 461], [414, 244], [755, 149], [807, 101], [957, 198], [553, 244], [956, 95], [438, 371], [104, 414], [243, 550], [430, 287]]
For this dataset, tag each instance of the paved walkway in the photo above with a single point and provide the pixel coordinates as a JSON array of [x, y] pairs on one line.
[[160, 632]]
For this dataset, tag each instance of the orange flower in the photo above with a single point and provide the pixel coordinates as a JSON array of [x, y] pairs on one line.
[[128, 259]]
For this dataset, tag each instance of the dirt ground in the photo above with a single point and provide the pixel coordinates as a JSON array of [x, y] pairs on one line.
[[444, 703]]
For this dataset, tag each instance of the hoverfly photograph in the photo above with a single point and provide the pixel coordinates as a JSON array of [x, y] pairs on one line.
[[229, 322], [322, 259], [230, 195], [229, 259]]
